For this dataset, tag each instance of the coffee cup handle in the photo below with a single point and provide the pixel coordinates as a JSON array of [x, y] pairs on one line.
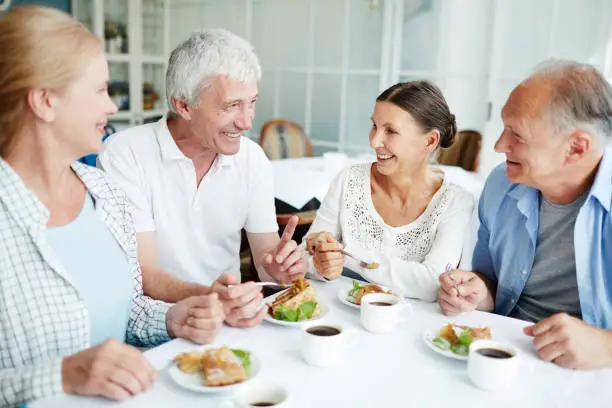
[[405, 312]]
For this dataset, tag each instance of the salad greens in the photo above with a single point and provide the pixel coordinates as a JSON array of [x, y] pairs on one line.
[[304, 312], [353, 292], [441, 343], [461, 348], [245, 359]]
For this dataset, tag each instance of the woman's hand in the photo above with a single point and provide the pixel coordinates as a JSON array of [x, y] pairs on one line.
[[326, 255], [111, 369]]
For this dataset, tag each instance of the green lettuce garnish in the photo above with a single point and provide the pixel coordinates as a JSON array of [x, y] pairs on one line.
[[460, 349], [245, 359], [465, 337], [304, 312], [353, 292], [441, 343]]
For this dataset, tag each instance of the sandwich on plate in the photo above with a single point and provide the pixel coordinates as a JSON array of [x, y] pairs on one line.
[[295, 304], [360, 290], [218, 366], [458, 338]]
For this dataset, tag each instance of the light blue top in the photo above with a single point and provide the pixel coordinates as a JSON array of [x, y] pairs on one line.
[[99, 269], [507, 237]]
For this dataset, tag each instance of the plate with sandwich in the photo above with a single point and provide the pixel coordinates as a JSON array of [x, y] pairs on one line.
[[453, 340], [351, 296], [295, 305], [213, 368]]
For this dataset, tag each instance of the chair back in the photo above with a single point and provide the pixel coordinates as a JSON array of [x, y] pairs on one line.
[[464, 151], [281, 139]]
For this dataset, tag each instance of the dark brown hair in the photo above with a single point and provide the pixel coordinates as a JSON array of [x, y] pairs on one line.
[[463, 152], [425, 102]]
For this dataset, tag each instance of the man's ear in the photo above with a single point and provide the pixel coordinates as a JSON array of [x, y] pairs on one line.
[[433, 140], [580, 144], [41, 102], [182, 108]]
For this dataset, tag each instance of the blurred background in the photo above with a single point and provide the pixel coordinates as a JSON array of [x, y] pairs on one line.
[[325, 61]]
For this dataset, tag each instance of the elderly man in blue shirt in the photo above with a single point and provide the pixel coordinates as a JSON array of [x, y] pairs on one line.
[[544, 249]]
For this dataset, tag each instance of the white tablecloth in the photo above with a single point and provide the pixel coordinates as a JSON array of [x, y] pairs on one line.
[[395, 370], [297, 181]]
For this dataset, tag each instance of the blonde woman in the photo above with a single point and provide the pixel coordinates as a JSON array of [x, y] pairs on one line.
[[70, 285], [398, 211]]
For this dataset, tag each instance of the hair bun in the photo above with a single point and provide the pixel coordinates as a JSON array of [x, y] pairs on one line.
[[447, 139]]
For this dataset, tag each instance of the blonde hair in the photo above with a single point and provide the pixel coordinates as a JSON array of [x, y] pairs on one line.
[[40, 47]]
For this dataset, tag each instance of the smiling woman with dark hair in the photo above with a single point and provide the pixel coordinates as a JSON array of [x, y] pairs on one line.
[[399, 211]]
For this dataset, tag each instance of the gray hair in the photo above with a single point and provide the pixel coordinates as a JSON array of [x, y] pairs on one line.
[[581, 98], [205, 54]]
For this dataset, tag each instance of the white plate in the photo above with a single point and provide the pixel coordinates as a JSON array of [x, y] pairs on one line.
[[429, 335], [323, 311], [343, 295], [195, 382]]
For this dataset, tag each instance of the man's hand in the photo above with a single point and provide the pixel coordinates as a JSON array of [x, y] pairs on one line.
[[197, 318], [571, 343], [326, 255], [286, 262], [242, 303], [461, 292], [111, 369]]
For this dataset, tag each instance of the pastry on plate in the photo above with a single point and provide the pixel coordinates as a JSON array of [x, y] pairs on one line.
[[222, 367], [359, 291], [299, 302], [217, 366]]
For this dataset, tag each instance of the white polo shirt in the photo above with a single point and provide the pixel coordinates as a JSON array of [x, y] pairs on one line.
[[198, 229]]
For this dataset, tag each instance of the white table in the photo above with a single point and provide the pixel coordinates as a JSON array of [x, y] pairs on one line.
[[297, 181], [395, 370]]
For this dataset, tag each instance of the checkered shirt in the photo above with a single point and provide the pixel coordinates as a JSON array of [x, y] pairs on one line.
[[42, 316]]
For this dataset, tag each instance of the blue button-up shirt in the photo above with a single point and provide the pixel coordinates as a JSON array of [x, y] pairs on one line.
[[507, 238]]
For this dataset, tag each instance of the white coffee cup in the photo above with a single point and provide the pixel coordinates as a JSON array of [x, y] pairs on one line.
[[333, 162], [381, 312], [324, 345], [258, 394], [492, 372]]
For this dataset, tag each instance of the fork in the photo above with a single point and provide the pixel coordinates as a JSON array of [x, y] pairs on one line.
[[448, 269], [363, 264]]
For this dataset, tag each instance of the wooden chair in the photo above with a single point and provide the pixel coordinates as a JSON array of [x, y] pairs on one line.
[[282, 139], [304, 217], [464, 152]]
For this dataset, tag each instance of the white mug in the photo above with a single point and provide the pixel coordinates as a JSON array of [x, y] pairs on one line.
[[492, 365], [381, 312], [258, 395], [324, 345]]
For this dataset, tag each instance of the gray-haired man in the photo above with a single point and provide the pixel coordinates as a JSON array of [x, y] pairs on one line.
[[544, 250], [194, 182]]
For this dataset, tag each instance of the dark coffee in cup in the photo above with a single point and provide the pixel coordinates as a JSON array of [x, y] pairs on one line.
[[494, 353], [323, 331], [262, 404], [381, 303]]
